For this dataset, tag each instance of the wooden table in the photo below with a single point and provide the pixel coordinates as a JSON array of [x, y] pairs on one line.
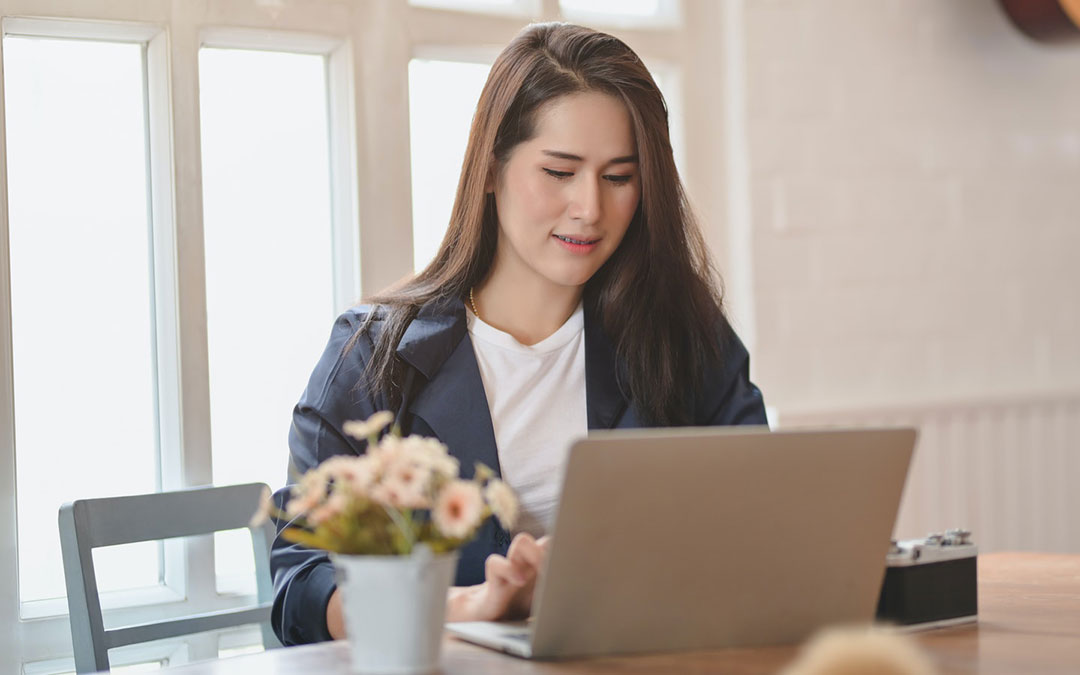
[[1029, 623]]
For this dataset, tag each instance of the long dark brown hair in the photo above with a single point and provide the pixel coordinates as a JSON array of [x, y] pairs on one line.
[[655, 296]]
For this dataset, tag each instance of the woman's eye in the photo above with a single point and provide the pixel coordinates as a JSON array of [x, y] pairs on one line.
[[619, 180], [558, 174]]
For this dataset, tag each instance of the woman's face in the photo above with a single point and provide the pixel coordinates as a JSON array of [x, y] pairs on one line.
[[565, 198]]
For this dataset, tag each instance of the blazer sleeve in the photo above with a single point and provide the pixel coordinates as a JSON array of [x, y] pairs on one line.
[[304, 577], [728, 396]]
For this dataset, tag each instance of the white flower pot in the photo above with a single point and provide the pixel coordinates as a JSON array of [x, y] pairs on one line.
[[395, 608]]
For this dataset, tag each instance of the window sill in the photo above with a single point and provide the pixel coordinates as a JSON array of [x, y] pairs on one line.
[[136, 597]]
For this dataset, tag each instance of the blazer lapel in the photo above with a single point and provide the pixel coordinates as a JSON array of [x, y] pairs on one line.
[[452, 403], [604, 400]]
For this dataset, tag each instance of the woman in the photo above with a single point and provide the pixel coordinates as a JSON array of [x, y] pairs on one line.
[[572, 291]]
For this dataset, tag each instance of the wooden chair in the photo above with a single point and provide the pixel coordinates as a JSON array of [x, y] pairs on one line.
[[86, 524]]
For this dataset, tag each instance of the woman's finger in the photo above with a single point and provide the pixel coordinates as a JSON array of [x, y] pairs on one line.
[[499, 569], [524, 550], [543, 543]]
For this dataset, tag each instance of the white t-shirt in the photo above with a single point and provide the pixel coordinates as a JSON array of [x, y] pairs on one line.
[[536, 395]]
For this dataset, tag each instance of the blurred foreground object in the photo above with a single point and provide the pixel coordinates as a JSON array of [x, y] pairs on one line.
[[1046, 20], [857, 651]]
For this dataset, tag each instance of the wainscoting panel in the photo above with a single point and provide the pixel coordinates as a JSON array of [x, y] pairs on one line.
[[1007, 470]]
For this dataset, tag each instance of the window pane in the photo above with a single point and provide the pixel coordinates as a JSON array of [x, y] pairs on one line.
[[668, 82], [442, 99], [493, 6], [637, 9], [81, 286], [269, 263]]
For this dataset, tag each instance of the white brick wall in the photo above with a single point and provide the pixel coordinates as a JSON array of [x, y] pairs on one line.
[[915, 191]]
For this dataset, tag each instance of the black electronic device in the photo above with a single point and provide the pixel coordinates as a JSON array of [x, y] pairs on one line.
[[930, 582]]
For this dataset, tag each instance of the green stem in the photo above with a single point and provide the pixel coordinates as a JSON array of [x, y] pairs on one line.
[[404, 525]]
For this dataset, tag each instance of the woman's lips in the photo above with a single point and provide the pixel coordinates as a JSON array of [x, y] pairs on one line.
[[576, 244]]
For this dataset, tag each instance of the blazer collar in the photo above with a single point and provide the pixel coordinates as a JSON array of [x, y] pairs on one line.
[[455, 407], [433, 336], [436, 344]]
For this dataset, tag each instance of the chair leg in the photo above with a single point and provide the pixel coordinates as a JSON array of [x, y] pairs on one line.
[[84, 608]]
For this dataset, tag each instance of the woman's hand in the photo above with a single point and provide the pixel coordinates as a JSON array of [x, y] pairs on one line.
[[335, 618], [508, 586]]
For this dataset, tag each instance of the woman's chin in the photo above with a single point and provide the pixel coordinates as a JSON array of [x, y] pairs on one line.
[[571, 277]]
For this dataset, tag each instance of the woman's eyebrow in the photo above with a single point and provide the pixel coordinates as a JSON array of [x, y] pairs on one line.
[[627, 159]]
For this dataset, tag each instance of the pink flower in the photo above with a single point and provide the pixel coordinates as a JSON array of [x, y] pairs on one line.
[[266, 507], [385, 453], [503, 502], [352, 473], [400, 494], [432, 454], [312, 485], [411, 483], [458, 509], [334, 506], [302, 502]]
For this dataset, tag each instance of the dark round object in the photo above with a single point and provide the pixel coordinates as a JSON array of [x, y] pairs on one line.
[[1045, 20]]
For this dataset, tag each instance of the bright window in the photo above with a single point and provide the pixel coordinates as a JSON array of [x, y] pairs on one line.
[[442, 100], [638, 8], [638, 13], [522, 7], [269, 261], [81, 296], [668, 82]]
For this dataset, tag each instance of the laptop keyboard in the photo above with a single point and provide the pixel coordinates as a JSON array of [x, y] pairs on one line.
[[518, 630]]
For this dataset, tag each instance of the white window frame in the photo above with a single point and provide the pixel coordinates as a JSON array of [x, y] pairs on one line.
[[372, 235], [517, 8], [668, 16]]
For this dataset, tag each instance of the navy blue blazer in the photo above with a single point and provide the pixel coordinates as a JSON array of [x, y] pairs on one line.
[[443, 397]]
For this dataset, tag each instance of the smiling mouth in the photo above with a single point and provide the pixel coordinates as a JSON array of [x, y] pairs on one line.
[[579, 242]]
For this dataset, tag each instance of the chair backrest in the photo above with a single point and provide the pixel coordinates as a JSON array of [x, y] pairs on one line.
[[86, 524]]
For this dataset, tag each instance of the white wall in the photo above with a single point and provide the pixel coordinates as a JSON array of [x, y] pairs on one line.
[[915, 172], [915, 196]]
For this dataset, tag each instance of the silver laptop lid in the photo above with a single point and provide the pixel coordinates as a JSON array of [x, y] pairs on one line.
[[716, 537]]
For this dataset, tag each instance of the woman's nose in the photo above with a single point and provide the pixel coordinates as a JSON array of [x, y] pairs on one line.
[[585, 202]]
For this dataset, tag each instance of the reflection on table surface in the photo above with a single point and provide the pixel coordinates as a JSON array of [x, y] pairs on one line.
[[1029, 622]]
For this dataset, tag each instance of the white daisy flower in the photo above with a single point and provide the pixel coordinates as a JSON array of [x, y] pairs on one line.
[[503, 502], [372, 426]]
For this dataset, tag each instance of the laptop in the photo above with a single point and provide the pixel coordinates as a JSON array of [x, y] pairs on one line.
[[706, 538]]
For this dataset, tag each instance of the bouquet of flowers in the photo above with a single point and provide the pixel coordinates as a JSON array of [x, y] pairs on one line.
[[400, 493]]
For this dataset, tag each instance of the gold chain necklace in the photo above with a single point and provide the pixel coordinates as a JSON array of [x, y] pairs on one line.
[[472, 301]]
